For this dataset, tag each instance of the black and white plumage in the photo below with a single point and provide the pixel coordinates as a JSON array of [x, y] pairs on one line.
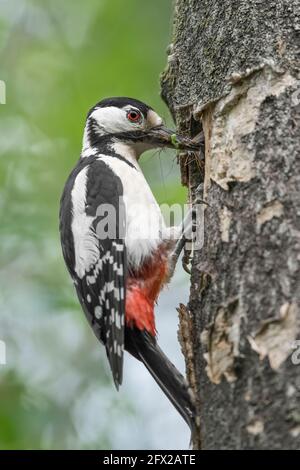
[[97, 268], [118, 277]]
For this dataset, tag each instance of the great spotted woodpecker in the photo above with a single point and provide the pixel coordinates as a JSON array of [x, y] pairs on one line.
[[119, 272]]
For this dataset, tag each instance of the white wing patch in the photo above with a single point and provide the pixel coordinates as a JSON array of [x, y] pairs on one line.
[[85, 240]]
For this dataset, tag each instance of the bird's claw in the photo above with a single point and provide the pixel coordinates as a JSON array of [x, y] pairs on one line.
[[185, 264], [187, 257]]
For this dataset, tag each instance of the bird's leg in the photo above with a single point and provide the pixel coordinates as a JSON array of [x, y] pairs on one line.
[[185, 232], [188, 236]]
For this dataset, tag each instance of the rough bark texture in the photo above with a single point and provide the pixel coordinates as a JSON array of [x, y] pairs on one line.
[[233, 68]]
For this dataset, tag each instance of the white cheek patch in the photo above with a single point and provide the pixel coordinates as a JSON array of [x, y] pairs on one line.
[[111, 120], [153, 119]]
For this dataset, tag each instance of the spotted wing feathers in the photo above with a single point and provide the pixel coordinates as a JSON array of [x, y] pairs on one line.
[[100, 282], [104, 299]]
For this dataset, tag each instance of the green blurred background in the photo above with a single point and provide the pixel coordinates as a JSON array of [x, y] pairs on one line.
[[57, 60]]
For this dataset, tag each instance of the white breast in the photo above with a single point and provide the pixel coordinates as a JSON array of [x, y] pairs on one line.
[[144, 221]]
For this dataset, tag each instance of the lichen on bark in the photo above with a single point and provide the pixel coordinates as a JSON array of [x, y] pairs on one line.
[[233, 70]]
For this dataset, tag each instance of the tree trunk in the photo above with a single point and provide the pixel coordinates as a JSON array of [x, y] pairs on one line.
[[233, 69]]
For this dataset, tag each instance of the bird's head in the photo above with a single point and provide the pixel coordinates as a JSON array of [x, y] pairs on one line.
[[126, 123]]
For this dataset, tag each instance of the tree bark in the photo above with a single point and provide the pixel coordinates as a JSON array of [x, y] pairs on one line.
[[233, 69]]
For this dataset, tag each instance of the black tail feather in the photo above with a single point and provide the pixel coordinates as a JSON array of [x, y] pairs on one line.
[[145, 348]]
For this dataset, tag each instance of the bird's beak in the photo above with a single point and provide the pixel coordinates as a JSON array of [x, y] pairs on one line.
[[161, 136]]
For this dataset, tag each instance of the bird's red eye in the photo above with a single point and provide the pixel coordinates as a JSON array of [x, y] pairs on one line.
[[134, 116]]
